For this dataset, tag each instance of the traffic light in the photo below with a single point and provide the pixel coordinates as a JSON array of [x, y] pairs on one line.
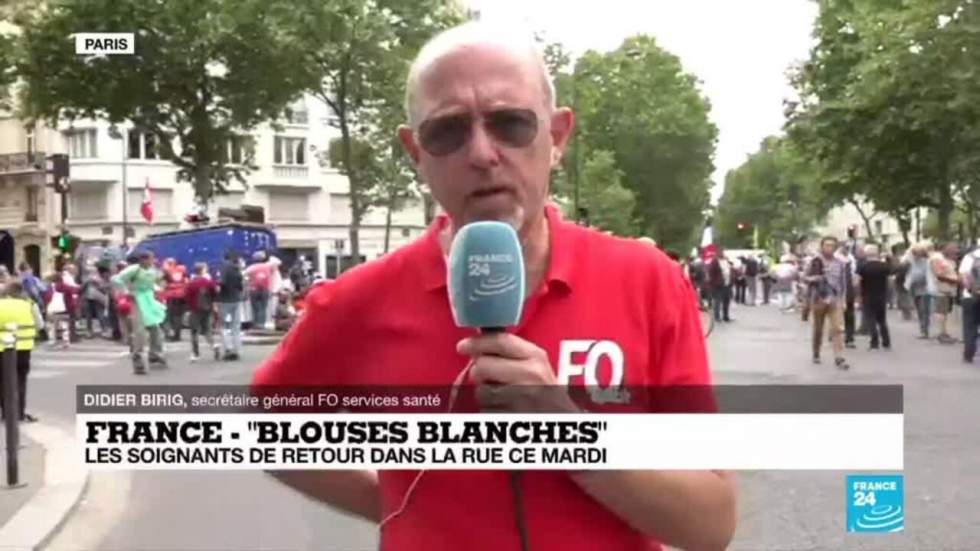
[[741, 226], [58, 170], [66, 243]]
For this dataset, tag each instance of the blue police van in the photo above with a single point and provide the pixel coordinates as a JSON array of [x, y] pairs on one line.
[[209, 244]]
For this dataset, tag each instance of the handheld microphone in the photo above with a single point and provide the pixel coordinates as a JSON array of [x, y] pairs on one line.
[[486, 291], [486, 284], [486, 277]]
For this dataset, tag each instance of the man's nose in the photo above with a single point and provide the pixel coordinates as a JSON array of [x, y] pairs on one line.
[[482, 150]]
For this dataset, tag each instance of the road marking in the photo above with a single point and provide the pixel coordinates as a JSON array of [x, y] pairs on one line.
[[44, 374], [73, 353], [51, 363]]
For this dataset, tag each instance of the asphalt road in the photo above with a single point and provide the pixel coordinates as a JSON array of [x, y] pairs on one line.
[[791, 510]]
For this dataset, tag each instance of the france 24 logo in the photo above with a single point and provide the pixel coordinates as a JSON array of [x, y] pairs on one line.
[[875, 503]]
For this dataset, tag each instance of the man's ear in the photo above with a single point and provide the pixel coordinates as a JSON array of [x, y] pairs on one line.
[[562, 126], [411, 147]]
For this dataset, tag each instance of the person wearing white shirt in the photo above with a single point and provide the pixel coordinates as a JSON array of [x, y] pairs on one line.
[[970, 276]]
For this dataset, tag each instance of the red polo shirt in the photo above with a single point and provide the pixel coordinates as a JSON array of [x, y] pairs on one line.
[[388, 322]]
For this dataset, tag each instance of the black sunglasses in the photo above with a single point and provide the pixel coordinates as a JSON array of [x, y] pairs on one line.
[[441, 136]]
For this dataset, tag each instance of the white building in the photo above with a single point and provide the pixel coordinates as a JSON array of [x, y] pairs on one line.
[[307, 204], [887, 231], [29, 211]]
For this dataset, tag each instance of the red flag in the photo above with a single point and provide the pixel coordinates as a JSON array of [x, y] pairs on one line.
[[146, 209]]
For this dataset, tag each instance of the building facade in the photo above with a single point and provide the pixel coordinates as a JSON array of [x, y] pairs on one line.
[[29, 210], [304, 200], [887, 231]]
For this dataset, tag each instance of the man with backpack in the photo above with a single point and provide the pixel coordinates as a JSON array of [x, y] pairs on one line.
[[229, 305], [259, 276], [200, 295], [970, 275], [828, 274]]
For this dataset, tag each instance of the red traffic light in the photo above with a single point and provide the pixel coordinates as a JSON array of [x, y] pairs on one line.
[[741, 226]]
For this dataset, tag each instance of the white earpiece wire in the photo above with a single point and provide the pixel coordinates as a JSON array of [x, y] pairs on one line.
[[411, 487]]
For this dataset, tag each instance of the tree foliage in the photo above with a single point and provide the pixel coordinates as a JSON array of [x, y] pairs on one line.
[[775, 195], [357, 54], [890, 103], [610, 204], [7, 76], [204, 72], [638, 103]]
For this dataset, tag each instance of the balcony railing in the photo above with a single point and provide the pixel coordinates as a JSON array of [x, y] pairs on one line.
[[21, 162], [290, 172]]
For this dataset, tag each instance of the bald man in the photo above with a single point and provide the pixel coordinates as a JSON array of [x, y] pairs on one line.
[[484, 133]]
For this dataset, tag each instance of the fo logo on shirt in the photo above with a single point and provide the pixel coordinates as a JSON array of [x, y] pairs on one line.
[[603, 370]]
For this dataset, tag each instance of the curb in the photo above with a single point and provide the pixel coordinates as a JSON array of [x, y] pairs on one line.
[[65, 481], [261, 339]]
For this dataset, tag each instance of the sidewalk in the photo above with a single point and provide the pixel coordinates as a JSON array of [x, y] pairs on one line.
[[56, 480], [31, 472]]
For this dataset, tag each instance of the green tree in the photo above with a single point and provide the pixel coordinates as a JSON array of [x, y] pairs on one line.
[[603, 195], [357, 53], [775, 195], [7, 76], [890, 103], [204, 72], [638, 103]]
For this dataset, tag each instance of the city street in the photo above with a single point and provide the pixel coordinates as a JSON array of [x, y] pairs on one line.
[[789, 510]]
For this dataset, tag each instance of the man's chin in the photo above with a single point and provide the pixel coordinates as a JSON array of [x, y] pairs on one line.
[[513, 218]]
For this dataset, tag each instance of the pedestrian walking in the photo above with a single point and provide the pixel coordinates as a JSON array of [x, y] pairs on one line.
[[94, 293], [873, 276], [751, 280], [230, 290], [147, 314], [765, 275], [70, 289], [829, 275], [16, 307], [850, 294], [201, 299], [738, 277], [174, 293], [901, 270], [786, 275], [720, 274], [970, 276], [942, 267], [35, 288], [259, 278], [921, 284]]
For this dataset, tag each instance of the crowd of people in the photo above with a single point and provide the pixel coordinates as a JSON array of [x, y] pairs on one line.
[[141, 302], [852, 287]]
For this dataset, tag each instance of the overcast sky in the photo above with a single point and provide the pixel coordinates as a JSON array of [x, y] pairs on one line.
[[739, 49]]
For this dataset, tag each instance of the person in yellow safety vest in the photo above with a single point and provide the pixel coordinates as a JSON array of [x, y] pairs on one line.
[[16, 307]]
